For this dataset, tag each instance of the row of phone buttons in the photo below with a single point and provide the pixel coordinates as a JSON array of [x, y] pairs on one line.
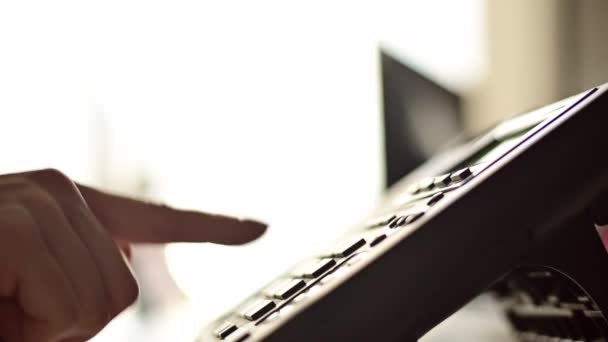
[[393, 220], [287, 288], [312, 290], [293, 287], [402, 220], [415, 211], [405, 220], [320, 268], [440, 182], [317, 268]]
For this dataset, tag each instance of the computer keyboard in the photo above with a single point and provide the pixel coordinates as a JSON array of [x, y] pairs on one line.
[[506, 212]]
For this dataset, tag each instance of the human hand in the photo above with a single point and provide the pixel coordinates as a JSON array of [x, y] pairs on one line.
[[62, 276]]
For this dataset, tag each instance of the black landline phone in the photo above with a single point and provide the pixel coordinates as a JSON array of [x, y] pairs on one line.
[[515, 212]]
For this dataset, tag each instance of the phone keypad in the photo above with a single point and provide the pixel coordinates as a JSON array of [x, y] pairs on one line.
[[309, 278], [441, 182]]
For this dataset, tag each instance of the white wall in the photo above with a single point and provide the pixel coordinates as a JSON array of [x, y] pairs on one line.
[[262, 108]]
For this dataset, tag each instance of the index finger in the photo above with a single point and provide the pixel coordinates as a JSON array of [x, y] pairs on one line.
[[136, 221]]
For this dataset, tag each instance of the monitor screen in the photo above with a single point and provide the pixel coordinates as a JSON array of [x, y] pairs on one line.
[[420, 116]]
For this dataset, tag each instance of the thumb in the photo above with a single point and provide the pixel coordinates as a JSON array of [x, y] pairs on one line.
[[136, 221]]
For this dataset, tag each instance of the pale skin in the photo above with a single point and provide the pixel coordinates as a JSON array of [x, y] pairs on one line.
[[63, 274]]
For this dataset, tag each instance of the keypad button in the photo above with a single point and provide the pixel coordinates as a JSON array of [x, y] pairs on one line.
[[286, 288], [436, 198], [315, 268], [413, 217], [400, 221], [347, 248], [393, 221], [442, 181], [461, 174], [225, 329], [258, 309], [377, 240], [426, 183]]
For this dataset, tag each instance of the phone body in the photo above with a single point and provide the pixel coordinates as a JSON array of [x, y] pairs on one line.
[[519, 196]]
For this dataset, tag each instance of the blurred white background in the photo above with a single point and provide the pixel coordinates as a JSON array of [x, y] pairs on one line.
[[269, 109]]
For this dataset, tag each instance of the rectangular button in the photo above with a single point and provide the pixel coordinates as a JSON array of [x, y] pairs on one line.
[[258, 309], [426, 183], [377, 240], [442, 181], [461, 175], [398, 222], [413, 217], [286, 288], [225, 329], [347, 248], [316, 268], [436, 198]]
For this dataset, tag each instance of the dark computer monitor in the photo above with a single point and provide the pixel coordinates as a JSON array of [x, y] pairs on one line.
[[420, 116]]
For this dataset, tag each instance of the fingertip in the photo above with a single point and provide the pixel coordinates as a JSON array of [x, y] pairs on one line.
[[261, 227], [245, 231], [258, 227]]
